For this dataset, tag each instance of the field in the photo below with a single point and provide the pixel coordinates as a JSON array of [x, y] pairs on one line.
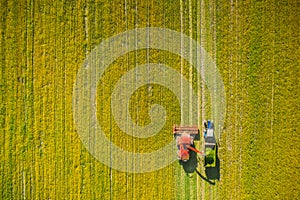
[[255, 46]]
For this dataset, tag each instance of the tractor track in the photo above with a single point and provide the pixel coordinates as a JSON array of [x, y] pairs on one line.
[[202, 43]]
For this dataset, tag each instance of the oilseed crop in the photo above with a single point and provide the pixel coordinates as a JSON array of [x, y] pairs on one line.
[[90, 91]]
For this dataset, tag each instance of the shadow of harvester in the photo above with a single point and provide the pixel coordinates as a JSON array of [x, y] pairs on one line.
[[211, 173], [190, 166]]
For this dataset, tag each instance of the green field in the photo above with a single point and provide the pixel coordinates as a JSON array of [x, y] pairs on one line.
[[255, 45]]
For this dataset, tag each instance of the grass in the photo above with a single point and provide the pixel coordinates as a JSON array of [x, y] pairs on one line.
[[43, 44]]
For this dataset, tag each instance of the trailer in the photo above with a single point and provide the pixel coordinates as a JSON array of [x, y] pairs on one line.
[[209, 145]]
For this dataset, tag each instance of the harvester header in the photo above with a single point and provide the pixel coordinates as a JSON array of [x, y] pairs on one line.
[[177, 129]]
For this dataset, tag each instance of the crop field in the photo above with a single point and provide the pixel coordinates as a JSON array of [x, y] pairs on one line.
[[43, 46]]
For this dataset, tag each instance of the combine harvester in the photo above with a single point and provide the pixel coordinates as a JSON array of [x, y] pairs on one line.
[[185, 136]]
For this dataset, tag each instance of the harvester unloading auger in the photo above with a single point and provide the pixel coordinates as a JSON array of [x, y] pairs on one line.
[[185, 136]]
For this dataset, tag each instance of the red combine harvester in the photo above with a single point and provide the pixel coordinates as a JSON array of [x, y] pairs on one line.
[[185, 136]]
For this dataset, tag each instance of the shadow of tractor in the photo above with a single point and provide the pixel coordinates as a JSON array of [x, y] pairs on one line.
[[211, 173]]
